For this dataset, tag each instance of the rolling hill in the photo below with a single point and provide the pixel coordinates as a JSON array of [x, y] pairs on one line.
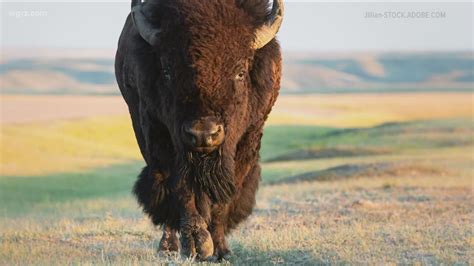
[[303, 73]]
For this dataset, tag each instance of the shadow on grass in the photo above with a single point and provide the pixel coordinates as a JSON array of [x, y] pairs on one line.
[[326, 153], [281, 143], [381, 169], [20, 194]]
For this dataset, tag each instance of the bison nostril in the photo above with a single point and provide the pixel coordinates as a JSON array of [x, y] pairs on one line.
[[209, 141], [215, 135], [192, 138], [203, 134]]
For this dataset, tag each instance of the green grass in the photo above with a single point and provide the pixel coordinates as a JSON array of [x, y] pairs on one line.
[[19, 194], [279, 140], [396, 137]]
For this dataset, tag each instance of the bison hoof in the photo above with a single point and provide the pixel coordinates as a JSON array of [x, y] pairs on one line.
[[188, 247], [215, 258], [220, 255], [196, 239], [199, 245], [226, 256], [204, 245]]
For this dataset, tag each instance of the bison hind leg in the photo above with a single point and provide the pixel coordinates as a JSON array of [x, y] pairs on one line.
[[242, 207]]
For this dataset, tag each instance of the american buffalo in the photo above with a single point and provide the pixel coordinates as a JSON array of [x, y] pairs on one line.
[[199, 78]]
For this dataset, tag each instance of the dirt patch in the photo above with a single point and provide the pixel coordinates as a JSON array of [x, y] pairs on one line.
[[306, 154], [365, 170]]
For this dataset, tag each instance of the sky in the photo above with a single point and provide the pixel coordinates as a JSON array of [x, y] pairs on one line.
[[318, 26]]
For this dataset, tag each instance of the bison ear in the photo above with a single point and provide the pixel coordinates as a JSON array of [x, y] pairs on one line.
[[266, 70], [147, 31]]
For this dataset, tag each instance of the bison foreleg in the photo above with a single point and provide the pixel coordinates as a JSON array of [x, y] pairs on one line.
[[219, 218], [195, 238], [169, 241]]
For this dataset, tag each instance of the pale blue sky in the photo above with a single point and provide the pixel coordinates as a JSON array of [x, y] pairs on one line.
[[308, 26]]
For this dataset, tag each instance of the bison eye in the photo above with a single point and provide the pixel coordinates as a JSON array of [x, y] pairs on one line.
[[240, 76], [166, 73]]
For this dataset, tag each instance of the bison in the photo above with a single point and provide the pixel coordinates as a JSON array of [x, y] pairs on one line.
[[200, 78]]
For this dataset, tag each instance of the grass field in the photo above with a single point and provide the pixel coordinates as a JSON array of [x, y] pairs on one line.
[[389, 192], [81, 133]]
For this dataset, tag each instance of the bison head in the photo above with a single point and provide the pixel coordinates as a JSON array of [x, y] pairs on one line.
[[202, 56]]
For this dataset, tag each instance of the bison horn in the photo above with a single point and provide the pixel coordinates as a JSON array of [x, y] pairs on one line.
[[269, 29], [148, 32]]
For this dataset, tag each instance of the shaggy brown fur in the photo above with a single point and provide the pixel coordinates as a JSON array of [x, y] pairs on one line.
[[191, 74]]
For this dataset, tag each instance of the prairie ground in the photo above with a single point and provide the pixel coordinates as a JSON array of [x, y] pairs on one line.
[[394, 190], [336, 110]]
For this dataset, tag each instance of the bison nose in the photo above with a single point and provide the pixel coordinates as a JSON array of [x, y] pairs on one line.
[[203, 135]]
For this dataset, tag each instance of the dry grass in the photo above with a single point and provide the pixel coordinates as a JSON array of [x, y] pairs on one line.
[[398, 216], [397, 219]]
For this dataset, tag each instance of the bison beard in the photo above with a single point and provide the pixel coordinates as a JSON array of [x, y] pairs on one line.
[[211, 174]]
